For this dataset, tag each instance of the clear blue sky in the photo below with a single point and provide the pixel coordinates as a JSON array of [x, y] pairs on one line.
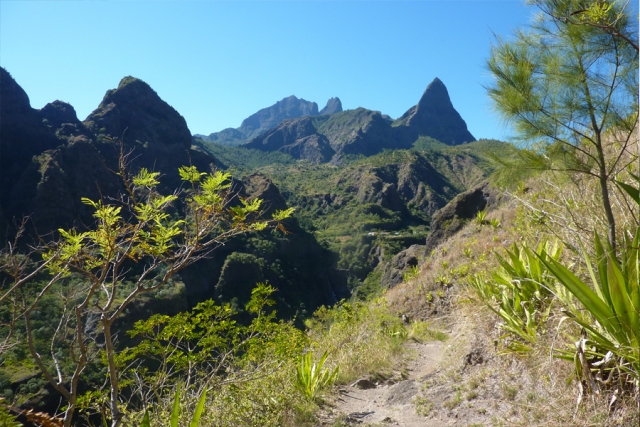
[[218, 62]]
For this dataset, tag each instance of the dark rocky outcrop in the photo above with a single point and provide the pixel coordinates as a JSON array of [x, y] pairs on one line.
[[155, 131], [258, 186], [434, 116], [24, 133], [393, 271], [463, 208], [334, 105], [445, 223]]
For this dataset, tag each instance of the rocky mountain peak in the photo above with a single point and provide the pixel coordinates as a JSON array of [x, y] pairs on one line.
[[135, 107], [57, 113], [13, 99], [435, 96], [435, 116], [333, 106], [290, 107]]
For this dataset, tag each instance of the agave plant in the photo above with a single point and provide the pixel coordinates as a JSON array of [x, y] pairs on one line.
[[520, 292], [608, 310], [313, 376]]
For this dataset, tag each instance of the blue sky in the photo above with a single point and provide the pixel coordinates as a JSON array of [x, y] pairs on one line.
[[217, 62]]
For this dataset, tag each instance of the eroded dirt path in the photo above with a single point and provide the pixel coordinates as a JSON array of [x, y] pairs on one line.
[[391, 404]]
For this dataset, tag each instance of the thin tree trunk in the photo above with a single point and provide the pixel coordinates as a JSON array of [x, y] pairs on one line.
[[116, 415]]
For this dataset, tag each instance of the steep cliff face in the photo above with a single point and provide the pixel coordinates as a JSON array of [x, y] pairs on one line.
[[24, 133], [435, 116]]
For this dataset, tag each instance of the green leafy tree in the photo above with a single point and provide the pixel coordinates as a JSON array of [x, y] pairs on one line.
[[136, 247], [610, 17], [571, 91]]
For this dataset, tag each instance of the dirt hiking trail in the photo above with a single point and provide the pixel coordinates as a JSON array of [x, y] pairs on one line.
[[390, 403]]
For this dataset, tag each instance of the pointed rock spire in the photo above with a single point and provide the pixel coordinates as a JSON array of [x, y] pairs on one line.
[[435, 116]]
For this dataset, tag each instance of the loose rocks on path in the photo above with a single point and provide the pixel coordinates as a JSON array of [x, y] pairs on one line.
[[391, 404]]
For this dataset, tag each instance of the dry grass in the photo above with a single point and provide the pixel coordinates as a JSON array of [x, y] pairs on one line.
[[476, 386]]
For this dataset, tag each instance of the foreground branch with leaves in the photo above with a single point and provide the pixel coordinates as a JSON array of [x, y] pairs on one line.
[[137, 245]]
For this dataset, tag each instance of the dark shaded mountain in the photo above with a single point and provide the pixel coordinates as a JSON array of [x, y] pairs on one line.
[[24, 133], [135, 112], [51, 159], [434, 116], [270, 117], [366, 132]]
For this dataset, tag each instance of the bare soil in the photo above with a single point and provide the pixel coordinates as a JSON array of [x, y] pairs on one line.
[[389, 402]]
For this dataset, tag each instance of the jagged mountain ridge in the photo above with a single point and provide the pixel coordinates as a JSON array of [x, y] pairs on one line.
[[267, 118], [367, 132], [50, 160]]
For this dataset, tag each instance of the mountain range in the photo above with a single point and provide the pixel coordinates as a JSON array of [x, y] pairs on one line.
[[294, 126], [50, 160], [270, 117]]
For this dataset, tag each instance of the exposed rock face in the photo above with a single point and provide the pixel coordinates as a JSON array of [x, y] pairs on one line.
[[268, 118], [435, 116], [464, 207], [393, 273], [259, 186], [333, 106], [137, 109]]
